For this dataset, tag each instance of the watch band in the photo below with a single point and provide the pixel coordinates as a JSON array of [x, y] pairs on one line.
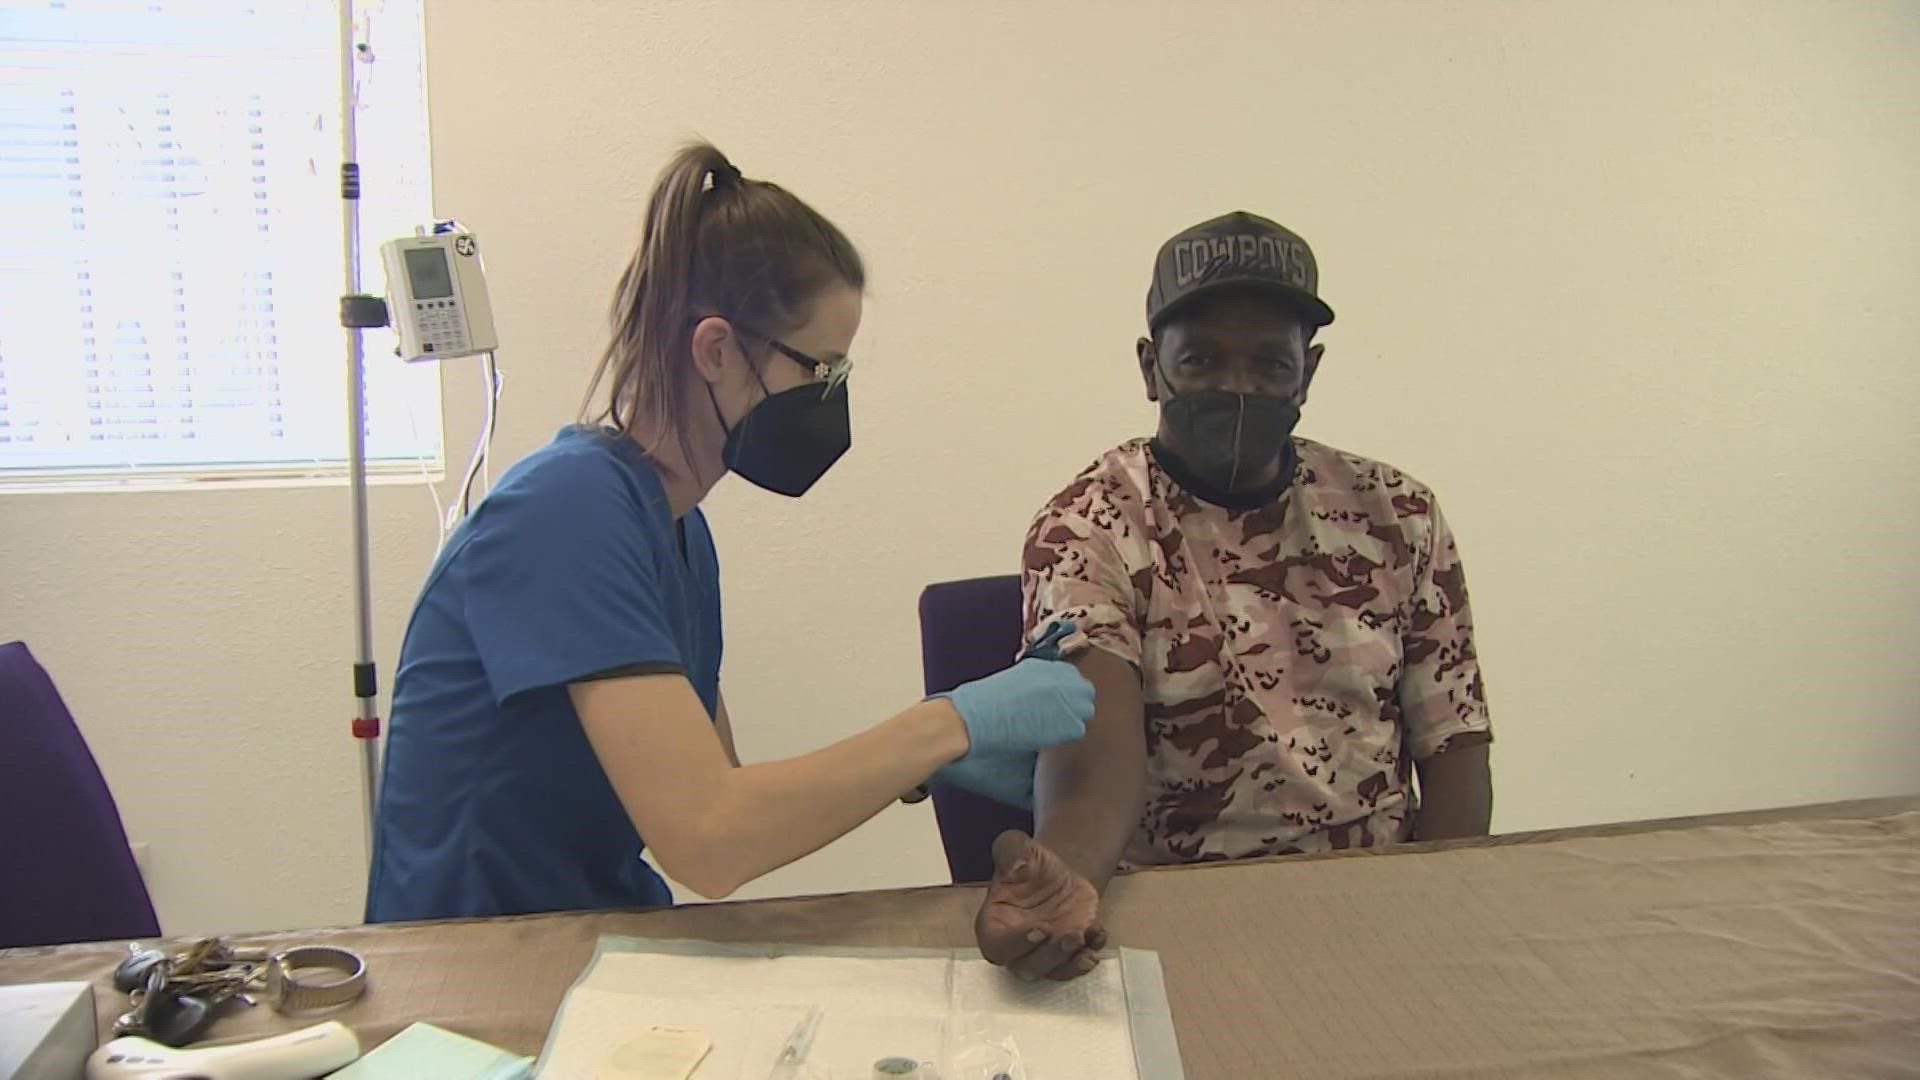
[[315, 977]]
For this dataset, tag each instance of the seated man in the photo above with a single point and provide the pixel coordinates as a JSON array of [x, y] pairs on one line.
[[1277, 631]]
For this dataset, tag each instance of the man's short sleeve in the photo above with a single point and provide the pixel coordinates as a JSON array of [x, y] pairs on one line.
[[1072, 569], [1442, 698], [562, 577]]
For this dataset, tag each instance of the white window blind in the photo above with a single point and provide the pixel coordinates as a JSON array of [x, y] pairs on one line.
[[170, 238]]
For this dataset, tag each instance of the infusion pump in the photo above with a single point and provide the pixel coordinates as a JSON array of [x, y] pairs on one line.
[[437, 296]]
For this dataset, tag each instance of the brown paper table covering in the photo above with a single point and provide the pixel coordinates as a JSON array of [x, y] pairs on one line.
[[1776, 943]]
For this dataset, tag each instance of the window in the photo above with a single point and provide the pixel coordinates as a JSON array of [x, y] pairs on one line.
[[170, 239]]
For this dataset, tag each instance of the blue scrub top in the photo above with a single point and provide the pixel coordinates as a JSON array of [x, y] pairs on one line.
[[492, 801]]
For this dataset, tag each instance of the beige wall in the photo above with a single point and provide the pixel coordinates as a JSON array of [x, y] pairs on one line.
[[1632, 285]]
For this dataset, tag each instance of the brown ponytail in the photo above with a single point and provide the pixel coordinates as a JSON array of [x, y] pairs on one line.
[[712, 243]]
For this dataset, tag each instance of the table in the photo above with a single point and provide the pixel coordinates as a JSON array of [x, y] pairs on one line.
[[1780, 943]]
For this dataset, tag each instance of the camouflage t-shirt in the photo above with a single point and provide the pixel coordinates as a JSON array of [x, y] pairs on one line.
[[1295, 658]]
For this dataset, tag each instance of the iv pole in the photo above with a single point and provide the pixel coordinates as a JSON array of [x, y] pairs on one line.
[[358, 312]]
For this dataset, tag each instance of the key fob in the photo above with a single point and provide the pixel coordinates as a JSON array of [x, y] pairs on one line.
[[177, 1019], [132, 972]]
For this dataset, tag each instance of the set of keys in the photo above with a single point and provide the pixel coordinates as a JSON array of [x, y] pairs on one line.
[[176, 998]]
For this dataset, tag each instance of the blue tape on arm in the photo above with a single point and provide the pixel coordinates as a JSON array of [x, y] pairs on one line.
[[1047, 646]]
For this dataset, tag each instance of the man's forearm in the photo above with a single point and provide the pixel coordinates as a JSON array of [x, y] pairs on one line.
[[1456, 794], [1088, 831], [1088, 794]]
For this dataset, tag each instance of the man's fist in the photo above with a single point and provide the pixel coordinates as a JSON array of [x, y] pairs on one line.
[[1040, 918]]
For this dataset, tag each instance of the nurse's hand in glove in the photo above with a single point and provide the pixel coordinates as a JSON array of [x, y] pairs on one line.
[[1039, 702], [1006, 778], [1040, 920]]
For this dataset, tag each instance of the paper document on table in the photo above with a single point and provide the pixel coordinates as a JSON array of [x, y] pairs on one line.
[[949, 1009]]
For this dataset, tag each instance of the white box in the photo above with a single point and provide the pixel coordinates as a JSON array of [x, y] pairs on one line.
[[46, 1031]]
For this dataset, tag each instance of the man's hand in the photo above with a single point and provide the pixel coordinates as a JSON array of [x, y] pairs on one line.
[[1040, 918]]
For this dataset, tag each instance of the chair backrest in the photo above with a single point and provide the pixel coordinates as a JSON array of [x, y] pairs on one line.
[[69, 874], [969, 630]]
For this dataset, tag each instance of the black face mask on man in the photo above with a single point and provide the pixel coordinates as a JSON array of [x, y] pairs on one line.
[[789, 440], [1228, 439]]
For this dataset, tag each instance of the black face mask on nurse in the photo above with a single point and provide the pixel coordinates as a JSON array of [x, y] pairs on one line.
[[789, 440]]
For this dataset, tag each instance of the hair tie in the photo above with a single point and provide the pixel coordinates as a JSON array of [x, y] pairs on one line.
[[729, 170]]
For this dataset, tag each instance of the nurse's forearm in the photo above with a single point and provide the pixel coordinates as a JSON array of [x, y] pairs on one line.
[[769, 814], [715, 827]]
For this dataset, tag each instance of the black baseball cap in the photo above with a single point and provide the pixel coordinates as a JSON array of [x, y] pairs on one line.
[[1236, 251]]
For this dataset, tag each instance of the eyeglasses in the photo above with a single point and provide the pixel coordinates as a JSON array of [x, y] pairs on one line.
[[830, 373], [833, 374]]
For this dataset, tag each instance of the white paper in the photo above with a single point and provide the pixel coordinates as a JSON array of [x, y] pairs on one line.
[[954, 1013]]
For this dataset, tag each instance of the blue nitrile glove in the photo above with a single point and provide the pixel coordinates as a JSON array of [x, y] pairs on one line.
[[1040, 701], [1006, 778]]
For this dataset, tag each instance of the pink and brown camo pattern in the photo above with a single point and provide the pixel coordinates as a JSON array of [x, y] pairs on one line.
[[1295, 659]]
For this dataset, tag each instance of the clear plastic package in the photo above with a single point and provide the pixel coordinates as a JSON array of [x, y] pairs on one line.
[[978, 1048]]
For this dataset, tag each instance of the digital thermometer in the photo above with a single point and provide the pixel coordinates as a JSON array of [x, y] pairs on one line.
[[297, 1055], [437, 296]]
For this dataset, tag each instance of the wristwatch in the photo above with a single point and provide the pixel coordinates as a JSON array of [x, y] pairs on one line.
[[314, 977]]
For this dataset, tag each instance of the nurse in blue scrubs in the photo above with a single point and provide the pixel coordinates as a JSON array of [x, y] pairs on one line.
[[558, 694]]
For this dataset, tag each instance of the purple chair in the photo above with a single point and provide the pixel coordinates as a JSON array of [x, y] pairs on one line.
[[69, 874], [969, 630]]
